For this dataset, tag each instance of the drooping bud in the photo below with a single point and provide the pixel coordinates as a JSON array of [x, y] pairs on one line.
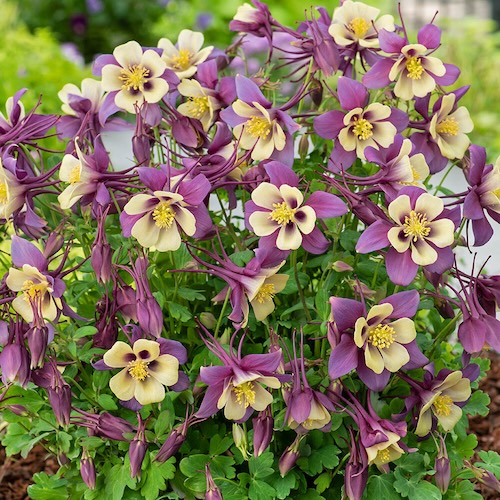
[[100, 258], [341, 266], [334, 391], [172, 444], [87, 470], [356, 471], [290, 456], [484, 476], [126, 302], [213, 491], [15, 364], [442, 468], [137, 450], [263, 426], [240, 439], [207, 319], [38, 337]]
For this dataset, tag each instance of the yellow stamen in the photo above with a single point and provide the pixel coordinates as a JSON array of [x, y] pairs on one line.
[[182, 60], [138, 370], [245, 394], [4, 192], [442, 406], [134, 77], [362, 129], [258, 127], [266, 292], [75, 174], [32, 290], [414, 68], [359, 26], [282, 213], [384, 456], [199, 106], [163, 215], [449, 126], [496, 192], [382, 336], [416, 226]]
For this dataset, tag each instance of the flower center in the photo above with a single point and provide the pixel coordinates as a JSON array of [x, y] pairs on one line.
[[182, 60], [138, 370], [134, 77], [163, 215], [414, 68], [266, 292], [245, 394], [449, 126], [4, 192], [75, 174], [32, 290], [416, 226], [359, 27], [442, 406], [258, 127], [199, 106], [384, 456], [362, 129], [282, 213], [382, 336]]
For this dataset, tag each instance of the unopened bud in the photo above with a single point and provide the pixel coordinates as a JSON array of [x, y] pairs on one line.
[[87, 470], [213, 491], [172, 444], [137, 452], [263, 426], [208, 320], [341, 266], [240, 439], [290, 456], [38, 338], [443, 473]]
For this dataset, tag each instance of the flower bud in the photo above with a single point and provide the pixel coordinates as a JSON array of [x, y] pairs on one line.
[[112, 427], [100, 258], [263, 426], [240, 439], [15, 362], [208, 320], [290, 456], [137, 452], [172, 444], [126, 303], [213, 491], [38, 338], [60, 400], [87, 470], [341, 267], [443, 473]]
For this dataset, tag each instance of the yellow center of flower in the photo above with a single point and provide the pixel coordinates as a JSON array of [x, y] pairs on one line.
[[138, 370], [416, 226], [75, 174], [282, 213], [449, 126], [4, 192], [414, 68], [362, 129], [359, 26], [163, 215], [496, 192], [384, 456], [245, 394], [266, 292], [382, 336], [34, 290], [199, 106], [258, 127], [442, 406], [134, 77], [182, 60]]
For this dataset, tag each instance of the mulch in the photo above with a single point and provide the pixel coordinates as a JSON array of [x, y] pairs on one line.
[[16, 472]]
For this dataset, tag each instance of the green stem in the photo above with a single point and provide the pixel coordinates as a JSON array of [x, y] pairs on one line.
[[443, 334], [293, 259], [221, 315]]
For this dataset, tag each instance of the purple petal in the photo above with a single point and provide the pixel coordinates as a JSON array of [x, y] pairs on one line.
[[378, 75], [405, 304], [445, 261], [429, 36], [248, 91], [153, 178], [373, 381], [301, 407], [208, 406], [478, 161], [472, 207], [231, 118], [374, 237], [450, 77], [262, 362], [399, 119], [472, 334], [492, 332], [196, 190], [400, 268], [182, 384], [213, 375], [326, 205], [344, 358], [482, 231], [227, 89], [101, 61], [173, 348], [390, 42], [108, 108], [315, 242], [204, 224], [417, 359], [352, 94], [329, 124], [345, 312], [286, 155], [24, 252], [281, 174]]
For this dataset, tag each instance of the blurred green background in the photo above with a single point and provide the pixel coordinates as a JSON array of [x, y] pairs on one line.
[[47, 43]]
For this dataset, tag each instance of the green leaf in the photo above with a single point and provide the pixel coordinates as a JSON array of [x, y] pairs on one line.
[[477, 404], [156, 478], [382, 487], [117, 479], [490, 462], [425, 491], [291, 284], [261, 466], [190, 294], [48, 487], [322, 304], [283, 485], [323, 482], [242, 258], [107, 402], [259, 490], [179, 312], [464, 490], [219, 445], [465, 447], [85, 331], [348, 239], [323, 458]]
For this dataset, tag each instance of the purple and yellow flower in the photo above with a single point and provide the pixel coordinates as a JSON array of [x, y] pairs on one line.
[[11, 193], [89, 97], [356, 24], [420, 234], [201, 104], [277, 212], [183, 59], [145, 371], [135, 76]]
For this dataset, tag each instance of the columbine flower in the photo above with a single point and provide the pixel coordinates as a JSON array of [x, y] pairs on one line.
[[145, 371], [355, 23], [420, 234], [439, 402], [449, 126], [87, 99], [11, 193], [184, 58], [135, 76], [201, 103], [363, 125], [277, 212], [238, 385], [156, 219], [259, 128], [415, 72]]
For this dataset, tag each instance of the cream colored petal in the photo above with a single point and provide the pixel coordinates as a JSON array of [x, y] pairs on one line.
[[202, 55], [383, 133], [449, 421], [138, 204], [279, 281], [404, 329], [158, 90], [289, 237], [128, 54], [442, 233], [279, 137], [430, 205], [262, 309], [347, 139], [398, 240], [49, 309], [308, 223], [165, 369], [423, 85], [68, 198], [190, 88], [262, 223], [422, 253], [453, 147], [149, 391], [262, 398], [360, 328], [190, 40], [154, 63], [145, 231], [128, 101], [395, 357], [379, 312], [169, 49], [396, 69], [424, 423], [23, 308], [291, 195], [373, 359], [111, 78], [234, 410], [123, 385], [404, 87], [186, 220], [16, 278], [377, 111], [168, 239], [266, 194], [460, 391], [400, 208], [272, 382], [263, 149], [119, 355], [462, 116], [146, 350], [244, 110], [68, 165]]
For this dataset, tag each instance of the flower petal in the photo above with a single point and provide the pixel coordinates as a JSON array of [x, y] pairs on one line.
[[149, 391], [119, 355], [165, 369], [123, 385]]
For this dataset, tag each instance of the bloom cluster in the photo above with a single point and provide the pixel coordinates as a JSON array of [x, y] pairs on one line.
[[281, 252]]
